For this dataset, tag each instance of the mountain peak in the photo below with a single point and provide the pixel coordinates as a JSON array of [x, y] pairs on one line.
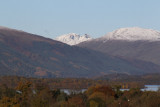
[[9, 29], [2, 27], [133, 34], [73, 38]]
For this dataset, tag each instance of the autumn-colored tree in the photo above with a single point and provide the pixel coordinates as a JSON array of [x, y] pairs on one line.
[[77, 100], [25, 93]]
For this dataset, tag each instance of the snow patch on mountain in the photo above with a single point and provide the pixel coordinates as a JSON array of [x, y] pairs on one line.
[[133, 34], [73, 38]]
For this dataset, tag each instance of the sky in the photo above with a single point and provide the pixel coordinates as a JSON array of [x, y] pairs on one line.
[[51, 18]]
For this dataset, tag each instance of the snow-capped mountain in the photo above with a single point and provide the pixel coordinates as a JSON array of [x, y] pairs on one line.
[[133, 42], [133, 34], [73, 38]]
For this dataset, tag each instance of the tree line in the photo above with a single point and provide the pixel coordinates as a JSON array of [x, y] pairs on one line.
[[33, 92]]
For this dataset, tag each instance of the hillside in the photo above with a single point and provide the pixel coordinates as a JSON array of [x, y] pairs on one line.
[[30, 55]]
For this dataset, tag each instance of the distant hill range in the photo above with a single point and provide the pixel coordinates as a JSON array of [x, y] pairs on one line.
[[129, 43], [30, 55]]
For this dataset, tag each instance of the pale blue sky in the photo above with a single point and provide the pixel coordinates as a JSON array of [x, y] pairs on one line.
[[51, 18]]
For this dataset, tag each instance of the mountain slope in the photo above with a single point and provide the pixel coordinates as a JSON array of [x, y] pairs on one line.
[[135, 43], [31, 55], [73, 39]]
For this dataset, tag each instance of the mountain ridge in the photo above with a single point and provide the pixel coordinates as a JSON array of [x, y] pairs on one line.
[[73, 38], [133, 34]]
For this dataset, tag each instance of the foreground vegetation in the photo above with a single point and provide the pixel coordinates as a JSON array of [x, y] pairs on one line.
[[31, 92], [24, 95]]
